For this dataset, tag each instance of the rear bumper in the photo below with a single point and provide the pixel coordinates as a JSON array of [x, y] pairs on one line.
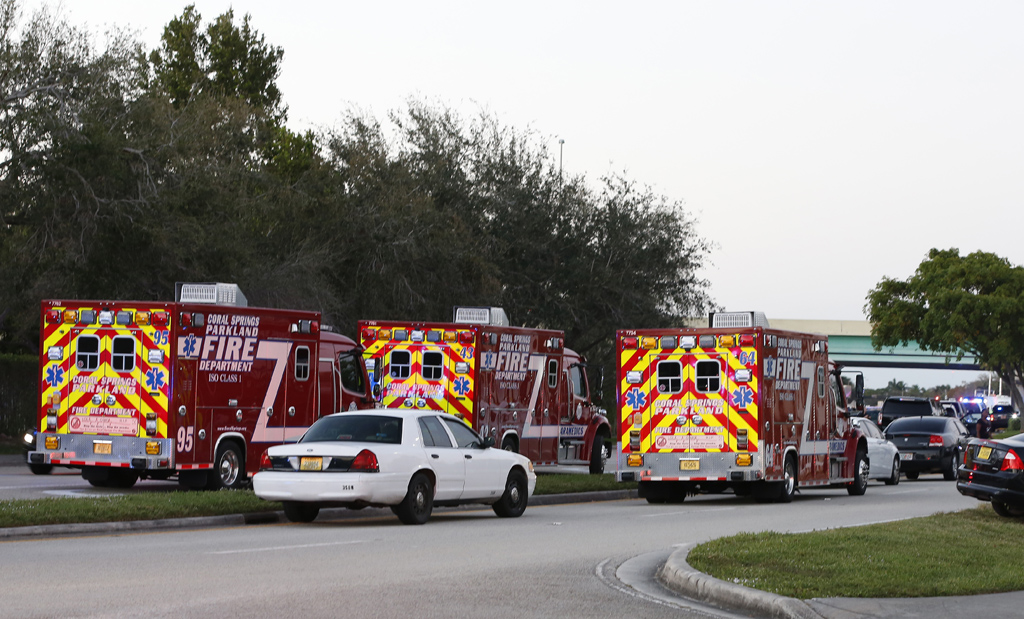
[[999, 487], [79, 450], [924, 460], [327, 487]]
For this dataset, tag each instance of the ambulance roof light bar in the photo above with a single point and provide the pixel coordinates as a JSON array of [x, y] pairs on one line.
[[737, 320], [211, 293], [493, 316]]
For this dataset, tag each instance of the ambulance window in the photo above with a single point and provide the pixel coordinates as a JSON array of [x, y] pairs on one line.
[[401, 361], [302, 363], [833, 384], [821, 381], [552, 373], [87, 357], [670, 376], [576, 376], [433, 365], [122, 356], [709, 376], [351, 372]]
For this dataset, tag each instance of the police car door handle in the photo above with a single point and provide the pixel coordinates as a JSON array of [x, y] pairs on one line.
[[434, 456], [469, 457]]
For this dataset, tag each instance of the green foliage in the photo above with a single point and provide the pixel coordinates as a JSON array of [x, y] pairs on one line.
[[131, 171], [19, 394], [955, 304], [962, 553]]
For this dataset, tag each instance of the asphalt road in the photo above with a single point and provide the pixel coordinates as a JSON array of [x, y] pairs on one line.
[[570, 560]]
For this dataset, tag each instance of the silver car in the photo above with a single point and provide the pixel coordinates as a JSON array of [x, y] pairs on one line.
[[883, 456]]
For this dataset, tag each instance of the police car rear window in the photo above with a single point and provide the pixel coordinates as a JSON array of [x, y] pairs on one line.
[[914, 424], [350, 427]]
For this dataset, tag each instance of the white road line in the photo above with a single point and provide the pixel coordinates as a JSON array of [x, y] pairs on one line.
[[232, 552]]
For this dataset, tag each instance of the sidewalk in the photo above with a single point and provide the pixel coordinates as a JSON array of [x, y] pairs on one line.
[[678, 576]]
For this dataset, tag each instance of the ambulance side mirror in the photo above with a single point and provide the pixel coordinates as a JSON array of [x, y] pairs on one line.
[[858, 392]]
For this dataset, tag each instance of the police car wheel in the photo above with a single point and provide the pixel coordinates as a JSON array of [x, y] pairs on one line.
[[418, 503], [512, 503], [950, 473], [300, 512]]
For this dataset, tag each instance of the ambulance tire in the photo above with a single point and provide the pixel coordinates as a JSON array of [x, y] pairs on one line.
[[597, 455], [512, 503], [228, 471], [894, 478], [418, 503], [122, 479], [300, 512], [40, 469], [509, 444], [860, 474], [788, 487]]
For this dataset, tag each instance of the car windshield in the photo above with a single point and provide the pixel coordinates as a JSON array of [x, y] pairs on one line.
[[926, 424], [905, 408], [973, 407], [350, 427]]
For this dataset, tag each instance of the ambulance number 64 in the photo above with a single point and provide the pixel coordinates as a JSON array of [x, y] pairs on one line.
[[185, 438]]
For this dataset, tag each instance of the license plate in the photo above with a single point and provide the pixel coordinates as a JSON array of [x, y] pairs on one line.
[[310, 464], [689, 465], [906, 456], [102, 448], [984, 453]]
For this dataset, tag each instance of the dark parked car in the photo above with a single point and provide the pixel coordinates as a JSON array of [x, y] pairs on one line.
[[895, 407], [994, 471], [929, 444], [999, 417]]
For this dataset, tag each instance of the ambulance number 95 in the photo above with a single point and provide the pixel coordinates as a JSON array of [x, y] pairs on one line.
[[185, 440]]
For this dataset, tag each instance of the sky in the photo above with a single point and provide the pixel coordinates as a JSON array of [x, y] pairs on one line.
[[822, 146]]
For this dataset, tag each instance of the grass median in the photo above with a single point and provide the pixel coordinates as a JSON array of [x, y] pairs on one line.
[[962, 553], [183, 504]]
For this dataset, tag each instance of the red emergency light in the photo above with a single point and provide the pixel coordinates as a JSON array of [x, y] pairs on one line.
[[53, 316], [630, 342], [747, 339]]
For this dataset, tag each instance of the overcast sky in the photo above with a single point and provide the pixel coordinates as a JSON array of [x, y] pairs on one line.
[[821, 145]]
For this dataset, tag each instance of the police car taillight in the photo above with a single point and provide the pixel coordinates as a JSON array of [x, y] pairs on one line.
[[935, 440], [265, 464], [365, 461]]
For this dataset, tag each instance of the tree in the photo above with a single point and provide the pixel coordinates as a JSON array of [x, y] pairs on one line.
[[955, 305]]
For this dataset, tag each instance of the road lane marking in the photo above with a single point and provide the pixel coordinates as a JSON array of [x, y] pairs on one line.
[[232, 552]]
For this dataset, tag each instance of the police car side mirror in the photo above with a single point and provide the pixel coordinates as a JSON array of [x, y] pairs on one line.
[[488, 442]]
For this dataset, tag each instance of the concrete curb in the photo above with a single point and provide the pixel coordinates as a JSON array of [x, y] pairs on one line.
[[678, 576], [234, 520]]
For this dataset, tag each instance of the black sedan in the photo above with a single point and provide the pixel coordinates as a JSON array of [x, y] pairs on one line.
[[994, 471], [928, 444]]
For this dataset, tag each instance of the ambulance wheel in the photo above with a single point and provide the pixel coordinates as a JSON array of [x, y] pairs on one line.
[[512, 503], [40, 469], [509, 444], [122, 479], [418, 503], [300, 512], [860, 474], [597, 458], [894, 478], [788, 487], [228, 468]]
